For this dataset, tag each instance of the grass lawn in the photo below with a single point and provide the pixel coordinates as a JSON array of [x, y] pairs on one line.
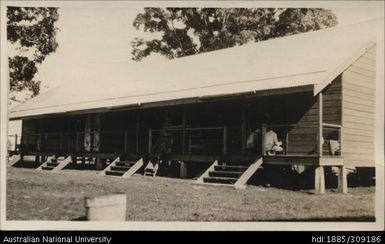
[[42, 195]]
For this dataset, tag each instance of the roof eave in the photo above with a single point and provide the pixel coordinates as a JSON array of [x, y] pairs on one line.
[[190, 100]]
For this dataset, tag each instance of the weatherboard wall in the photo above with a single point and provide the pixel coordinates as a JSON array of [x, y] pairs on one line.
[[358, 110]]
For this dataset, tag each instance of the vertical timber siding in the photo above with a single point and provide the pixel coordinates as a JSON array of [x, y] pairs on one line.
[[358, 110]]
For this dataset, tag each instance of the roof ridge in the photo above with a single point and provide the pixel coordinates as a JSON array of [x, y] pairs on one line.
[[251, 43]]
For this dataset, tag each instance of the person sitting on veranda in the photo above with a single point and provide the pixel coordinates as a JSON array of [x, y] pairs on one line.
[[252, 141], [272, 145]]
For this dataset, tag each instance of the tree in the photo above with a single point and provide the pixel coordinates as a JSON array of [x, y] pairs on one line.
[[32, 31], [187, 31]]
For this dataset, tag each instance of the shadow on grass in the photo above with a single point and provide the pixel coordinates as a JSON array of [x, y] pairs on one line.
[[82, 218], [35, 165], [285, 178], [75, 166], [26, 164], [333, 219]]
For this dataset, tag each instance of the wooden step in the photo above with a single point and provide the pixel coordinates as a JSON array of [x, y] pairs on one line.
[[237, 168], [234, 163], [54, 160], [120, 168], [54, 164], [240, 160], [114, 172], [48, 167], [125, 163], [231, 174], [223, 180]]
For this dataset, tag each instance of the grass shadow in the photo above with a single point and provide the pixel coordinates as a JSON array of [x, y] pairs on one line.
[[82, 218], [26, 164], [320, 219]]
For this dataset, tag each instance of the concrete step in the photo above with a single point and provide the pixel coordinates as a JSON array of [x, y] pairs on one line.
[[231, 174], [114, 172], [120, 168], [237, 168], [221, 180], [48, 167]]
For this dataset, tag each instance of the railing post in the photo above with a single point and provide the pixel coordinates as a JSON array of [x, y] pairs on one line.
[[92, 141], [287, 143], [149, 140], [184, 132], [61, 142], [340, 139], [38, 142], [137, 134], [243, 129], [15, 142], [77, 141], [320, 124], [44, 137], [224, 139], [125, 140], [263, 138], [183, 139], [22, 141], [27, 143]]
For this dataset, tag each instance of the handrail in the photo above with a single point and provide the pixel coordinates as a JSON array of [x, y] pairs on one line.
[[45, 133], [331, 125], [279, 125], [189, 129], [185, 131], [112, 131], [74, 132]]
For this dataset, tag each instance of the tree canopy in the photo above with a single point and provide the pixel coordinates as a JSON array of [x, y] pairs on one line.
[[187, 31], [32, 30]]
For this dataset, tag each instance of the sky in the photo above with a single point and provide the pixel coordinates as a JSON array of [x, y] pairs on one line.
[[94, 37]]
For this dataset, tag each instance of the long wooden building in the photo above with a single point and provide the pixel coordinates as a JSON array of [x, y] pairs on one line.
[[314, 90]]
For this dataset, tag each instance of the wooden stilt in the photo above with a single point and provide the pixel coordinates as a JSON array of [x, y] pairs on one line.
[[99, 164], [342, 180], [319, 181], [183, 169]]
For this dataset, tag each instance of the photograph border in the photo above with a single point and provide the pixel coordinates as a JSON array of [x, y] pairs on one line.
[[202, 226]]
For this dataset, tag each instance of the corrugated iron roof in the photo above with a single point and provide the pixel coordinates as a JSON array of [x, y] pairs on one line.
[[312, 58]]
